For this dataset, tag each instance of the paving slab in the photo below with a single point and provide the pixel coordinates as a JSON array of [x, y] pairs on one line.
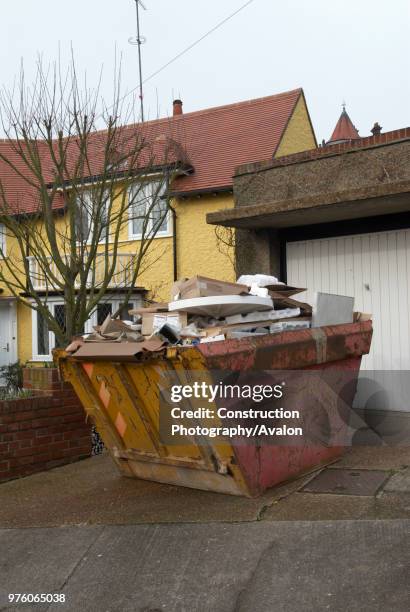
[[355, 566], [258, 567], [347, 482], [375, 457], [323, 507], [399, 482], [40, 561]]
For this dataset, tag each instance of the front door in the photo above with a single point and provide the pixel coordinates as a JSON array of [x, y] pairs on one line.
[[7, 335]]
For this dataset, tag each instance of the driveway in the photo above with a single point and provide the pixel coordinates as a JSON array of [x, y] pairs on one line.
[[110, 543]]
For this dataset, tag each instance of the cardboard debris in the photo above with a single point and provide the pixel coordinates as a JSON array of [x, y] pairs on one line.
[[151, 321], [283, 301], [110, 326], [285, 290], [160, 307], [124, 351], [208, 310], [201, 286], [212, 331], [361, 316]]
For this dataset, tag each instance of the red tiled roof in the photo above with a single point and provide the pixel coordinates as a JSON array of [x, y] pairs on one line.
[[15, 190], [218, 139], [344, 130], [211, 141]]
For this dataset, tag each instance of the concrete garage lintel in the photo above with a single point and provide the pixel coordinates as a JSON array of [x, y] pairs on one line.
[[309, 211]]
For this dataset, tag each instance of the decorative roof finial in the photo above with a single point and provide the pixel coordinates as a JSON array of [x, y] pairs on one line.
[[344, 106]]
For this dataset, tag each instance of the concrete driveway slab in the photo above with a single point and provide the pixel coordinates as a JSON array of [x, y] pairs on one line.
[[258, 567], [355, 566], [40, 561], [375, 458], [399, 483], [93, 492]]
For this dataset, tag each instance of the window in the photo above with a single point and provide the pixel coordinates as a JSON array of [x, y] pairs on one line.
[[149, 212], [108, 308], [124, 314], [59, 315], [103, 310], [44, 340], [88, 208], [2, 240]]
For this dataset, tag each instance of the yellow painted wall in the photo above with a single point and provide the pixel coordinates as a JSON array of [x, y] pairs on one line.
[[197, 251], [24, 333], [298, 135], [197, 244]]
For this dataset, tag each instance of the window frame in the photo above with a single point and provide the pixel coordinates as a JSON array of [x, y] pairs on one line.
[[3, 240], [115, 301], [36, 356], [168, 218], [87, 190]]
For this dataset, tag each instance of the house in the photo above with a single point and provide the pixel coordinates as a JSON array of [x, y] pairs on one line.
[[207, 146], [337, 219]]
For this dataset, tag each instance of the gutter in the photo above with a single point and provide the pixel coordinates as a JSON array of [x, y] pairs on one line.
[[200, 192]]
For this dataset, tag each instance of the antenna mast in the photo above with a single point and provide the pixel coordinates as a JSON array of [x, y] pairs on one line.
[[139, 40]]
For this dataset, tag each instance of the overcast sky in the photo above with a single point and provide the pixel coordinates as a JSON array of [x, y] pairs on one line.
[[353, 50]]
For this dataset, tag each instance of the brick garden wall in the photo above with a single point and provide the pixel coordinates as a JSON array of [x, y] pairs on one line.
[[44, 431]]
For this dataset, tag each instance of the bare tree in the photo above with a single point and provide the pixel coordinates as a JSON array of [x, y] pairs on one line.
[[78, 190]]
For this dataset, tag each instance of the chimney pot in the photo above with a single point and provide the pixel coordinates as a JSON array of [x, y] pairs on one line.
[[376, 129], [177, 107]]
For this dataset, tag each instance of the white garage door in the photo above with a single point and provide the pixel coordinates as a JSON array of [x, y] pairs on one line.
[[375, 270]]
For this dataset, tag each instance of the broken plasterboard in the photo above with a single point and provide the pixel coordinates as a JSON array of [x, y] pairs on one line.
[[329, 309], [271, 315], [288, 326]]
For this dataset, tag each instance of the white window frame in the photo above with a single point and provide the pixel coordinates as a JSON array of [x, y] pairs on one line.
[[160, 234], [116, 300], [3, 240], [51, 337], [86, 191]]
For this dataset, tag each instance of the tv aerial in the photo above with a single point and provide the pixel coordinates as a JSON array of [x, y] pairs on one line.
[[137, 41]]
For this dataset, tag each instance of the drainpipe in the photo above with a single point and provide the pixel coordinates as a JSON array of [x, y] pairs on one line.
[[174, 232], [27, 255], [174, 243]]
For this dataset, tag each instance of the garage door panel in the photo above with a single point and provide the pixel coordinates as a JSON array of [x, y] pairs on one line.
[[374, 269], [403, 246]]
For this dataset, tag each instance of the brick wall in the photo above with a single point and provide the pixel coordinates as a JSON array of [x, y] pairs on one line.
[[44, 431]]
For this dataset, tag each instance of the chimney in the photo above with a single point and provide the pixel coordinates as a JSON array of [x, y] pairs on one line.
[[376, 129], [177, 107]]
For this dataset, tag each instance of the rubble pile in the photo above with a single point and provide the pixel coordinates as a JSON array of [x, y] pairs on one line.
[[201, 310], [204, 309], [208, 310]]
